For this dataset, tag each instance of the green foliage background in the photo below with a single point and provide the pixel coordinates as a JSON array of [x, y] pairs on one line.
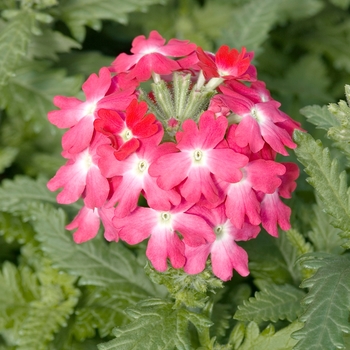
[[57, 295]]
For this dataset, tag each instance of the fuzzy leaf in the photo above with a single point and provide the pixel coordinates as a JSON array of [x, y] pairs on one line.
[[79, 13], [14, 229], [250, 24], [268, 339], [34, 305], [272, 304], [29, 94], [14, 39], [344, 4], [7, 156], [17, 194], [324, 236], [330, 184], [320, 116], [297, 10], [272, 260], [49, 44], [96, 262], [328, 303], [306, 80], [156, 325], [103, 309], [85, 63], [329, 37]]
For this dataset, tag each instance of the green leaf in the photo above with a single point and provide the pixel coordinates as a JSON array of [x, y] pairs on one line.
[[344, 4], [14, 229], [320, 116], [328, 303], [324, 236], [156, 325], [96, 262], [329, 37], [34, 305], [79, 13], [272, 304], [306, 81], [102, 309], [250, 25], [330, 184], [293, 10], [29, 94], [7, 156], [190, 290], [49, 43], [272, 261], [85, 63], [16, 195], [269, 339], [14, 39]]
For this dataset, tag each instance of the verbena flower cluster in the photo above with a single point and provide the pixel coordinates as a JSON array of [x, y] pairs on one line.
[[178, 146]]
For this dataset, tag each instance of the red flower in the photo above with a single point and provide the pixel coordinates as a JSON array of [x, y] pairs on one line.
[[227, 64], [125, 133]]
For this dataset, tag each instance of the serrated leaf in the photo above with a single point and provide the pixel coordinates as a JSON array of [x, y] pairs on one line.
[[324, 236], [344, 4], [29, 94], [272, 260], [103, 309], [320, 116], [329, 37], [328, 304], [306, 81], [268, 339], [14, 39], [12, 228], [272, 304], [49, 44], [34, 305], [293, 10], [250, 25], [79, 13], [156, 325], [7, 156], [86, 62], [330, 184], [96, 262], [17, 194]]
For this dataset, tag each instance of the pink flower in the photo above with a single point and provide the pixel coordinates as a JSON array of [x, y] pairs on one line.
[[81, 175], [151, 55], [227, 64], [257, 123], [134, 178], [242, 202], [125, 133], [87, 222], [79, 116], [161, 227], [226, 255], [273, 211], [198, 159]]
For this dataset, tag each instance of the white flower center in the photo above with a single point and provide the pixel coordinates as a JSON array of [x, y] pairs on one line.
[[142, 166], [256, 115], [126, 135], [90, 108], [219, 231], [165, 216], [86, 160], [198, 157], [166, 220]]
